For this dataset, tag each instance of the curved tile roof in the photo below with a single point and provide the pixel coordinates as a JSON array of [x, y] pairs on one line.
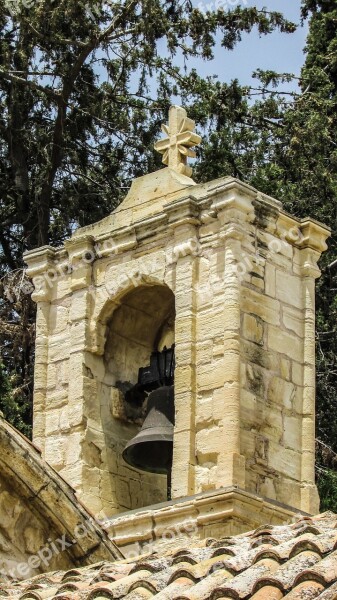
[[295, 562]]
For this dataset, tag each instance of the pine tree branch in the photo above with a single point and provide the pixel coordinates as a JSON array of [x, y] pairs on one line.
[[27, 82], [63, 41], [58, 134]]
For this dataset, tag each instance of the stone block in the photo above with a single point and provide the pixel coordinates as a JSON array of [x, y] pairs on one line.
[[255, 380], [56, 398], [100, 268], [58, 375], [54, 452], [281, 392], [293, 319], [184, 376], [123, 493], [219, 404], [231, 471], [185, 353], [261, 306], [184, 301], [40, 376], [310, 499], [93, 500], [213, 375], [286, 343], [184, 410], [183, 464], [267, 488], [210, 324], [257, 282], [249, 409], [308, 406], [73, 447], [205, 477], [297, 373], [52, 422], [210, 441], [81, 276], [231, 317], [292, 432], [61, 288], [270, 280], [204, 352], [285, 366], [298, 400], [289, 289], [204, 411], [117, 404], [76, 415], [272, 424], [79, 309], [183, 329], [289, 492], [59, 347], [218, 349], [58, 319], [247, 444], [252, 328], [285, 460]]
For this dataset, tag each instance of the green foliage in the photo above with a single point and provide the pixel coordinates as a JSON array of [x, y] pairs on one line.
[[12, 409], [327, 489]]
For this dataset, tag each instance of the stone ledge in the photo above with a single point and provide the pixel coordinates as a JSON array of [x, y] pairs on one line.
[[228, 511]]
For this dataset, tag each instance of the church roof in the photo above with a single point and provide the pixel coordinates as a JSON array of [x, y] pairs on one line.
[[297, 561]]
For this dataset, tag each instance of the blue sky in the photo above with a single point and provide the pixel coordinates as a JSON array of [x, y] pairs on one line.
[[278, 52]]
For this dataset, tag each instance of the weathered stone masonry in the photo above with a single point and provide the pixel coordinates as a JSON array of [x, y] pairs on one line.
[[226, 274]]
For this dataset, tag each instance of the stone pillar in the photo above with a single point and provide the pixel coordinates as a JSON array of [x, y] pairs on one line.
[[185, 248], [80, 394], [40, 373], [231, 464], [40, 270], [232, 216], [310, 272]]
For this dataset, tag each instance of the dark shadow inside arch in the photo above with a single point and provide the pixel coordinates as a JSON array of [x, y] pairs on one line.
[[142, 324]]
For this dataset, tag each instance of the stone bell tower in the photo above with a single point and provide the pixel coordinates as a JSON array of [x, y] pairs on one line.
[[224, 273]]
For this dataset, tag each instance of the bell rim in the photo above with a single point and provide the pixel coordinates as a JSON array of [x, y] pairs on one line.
[[164, 470], [143, 437]]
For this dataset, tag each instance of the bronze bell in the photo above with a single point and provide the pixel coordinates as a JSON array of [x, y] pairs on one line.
[[152, 448]]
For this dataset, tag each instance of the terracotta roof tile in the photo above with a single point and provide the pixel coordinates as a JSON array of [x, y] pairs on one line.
[[268, 592], [305, 591], [294, 562]]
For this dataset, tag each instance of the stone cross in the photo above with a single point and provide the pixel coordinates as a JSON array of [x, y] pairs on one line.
[[176, 147]]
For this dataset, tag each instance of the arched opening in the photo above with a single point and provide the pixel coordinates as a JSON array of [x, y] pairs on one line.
[[142, 324]]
